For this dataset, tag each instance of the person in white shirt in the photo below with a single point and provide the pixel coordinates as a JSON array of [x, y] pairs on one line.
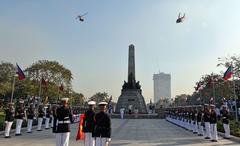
[[122, 112]]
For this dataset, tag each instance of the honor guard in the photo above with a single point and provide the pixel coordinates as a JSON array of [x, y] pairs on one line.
[[40, 117], [30, 117], [102, 130], [51, 115], [213, 123], [54, 120], [194, 117], [19, 116], [200, 120], [48, 116], [225, 120], [206, 119], [88, 124], [9, 117], [64, 119]]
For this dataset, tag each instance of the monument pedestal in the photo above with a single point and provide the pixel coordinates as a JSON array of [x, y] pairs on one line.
[[131, 98]]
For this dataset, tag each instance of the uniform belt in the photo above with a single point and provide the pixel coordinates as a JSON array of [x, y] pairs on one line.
[[63, 122]]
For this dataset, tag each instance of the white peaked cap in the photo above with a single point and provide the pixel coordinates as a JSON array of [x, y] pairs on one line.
[[64, 99], [103, 103], [91, 103], [212, 105], [21, 101]]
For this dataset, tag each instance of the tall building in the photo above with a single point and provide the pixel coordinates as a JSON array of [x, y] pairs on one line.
[[162, 86]]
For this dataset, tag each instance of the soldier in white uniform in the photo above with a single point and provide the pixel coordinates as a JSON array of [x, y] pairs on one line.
[[30, 117], [19, 117], [48, 116], [102, 130], [64, 120], [225, 120], [40, 117], [9, 117], [213, 123], [200, 120], [88, 124], [206, 118]]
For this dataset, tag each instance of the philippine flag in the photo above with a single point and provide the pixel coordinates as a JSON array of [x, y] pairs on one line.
[[20, 73], [228, 74]]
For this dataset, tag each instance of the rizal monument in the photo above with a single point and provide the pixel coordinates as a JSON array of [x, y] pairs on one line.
[[131, 95]]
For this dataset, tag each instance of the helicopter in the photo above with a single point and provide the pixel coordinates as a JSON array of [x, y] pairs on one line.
[[81, 17], [180, 19]]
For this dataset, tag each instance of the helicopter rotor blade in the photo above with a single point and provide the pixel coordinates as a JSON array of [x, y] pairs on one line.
[[84, 14]]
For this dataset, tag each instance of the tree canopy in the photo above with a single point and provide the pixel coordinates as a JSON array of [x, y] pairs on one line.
[[213, 84], [52, 72]]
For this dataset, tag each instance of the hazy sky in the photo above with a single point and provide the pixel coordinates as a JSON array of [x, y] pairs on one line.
[[96, 51]]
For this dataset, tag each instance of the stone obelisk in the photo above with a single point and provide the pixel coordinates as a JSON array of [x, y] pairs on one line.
[[131, 66], [131, 96]]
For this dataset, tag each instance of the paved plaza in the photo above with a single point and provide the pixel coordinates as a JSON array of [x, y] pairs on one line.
[[132, 132]]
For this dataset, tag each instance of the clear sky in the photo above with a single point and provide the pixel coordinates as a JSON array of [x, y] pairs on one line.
[[96, 51]]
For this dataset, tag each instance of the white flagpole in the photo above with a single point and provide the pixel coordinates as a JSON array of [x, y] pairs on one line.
[[214, 98], [40, 89], [234, 94], [13, 87], [200, 92]]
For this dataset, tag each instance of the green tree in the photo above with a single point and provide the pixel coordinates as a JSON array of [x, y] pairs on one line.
[[7, 72], [51, 71], [55, 74], [99, 97], [77, 99]]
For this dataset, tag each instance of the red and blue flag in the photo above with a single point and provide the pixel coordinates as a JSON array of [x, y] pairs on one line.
[[228, 74], [20, 73]]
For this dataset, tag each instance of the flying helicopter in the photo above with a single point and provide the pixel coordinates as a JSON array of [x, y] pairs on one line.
[[81, 17], [180, 19]]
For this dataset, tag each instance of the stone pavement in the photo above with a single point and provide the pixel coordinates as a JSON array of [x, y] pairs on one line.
[[132, 132]]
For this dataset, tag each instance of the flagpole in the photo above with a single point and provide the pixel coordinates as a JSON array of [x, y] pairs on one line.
[[40, 89], [59, 93], [200, 96], [234, 94], [214, 98], [13, 87]]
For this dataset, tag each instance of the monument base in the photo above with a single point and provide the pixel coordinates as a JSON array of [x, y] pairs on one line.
[[131, 99]]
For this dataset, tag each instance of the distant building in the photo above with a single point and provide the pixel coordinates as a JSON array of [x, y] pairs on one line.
[[162, 86]]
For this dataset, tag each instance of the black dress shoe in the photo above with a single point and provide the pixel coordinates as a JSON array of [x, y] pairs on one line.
[[207, 137], [39, 130], [226, 137], [213, 140], [18, 134], [7, 137]]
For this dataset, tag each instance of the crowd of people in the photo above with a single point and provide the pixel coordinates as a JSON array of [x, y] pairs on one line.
[[200, 119]]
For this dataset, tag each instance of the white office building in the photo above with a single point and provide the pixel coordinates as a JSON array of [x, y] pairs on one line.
[[162, 86]]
